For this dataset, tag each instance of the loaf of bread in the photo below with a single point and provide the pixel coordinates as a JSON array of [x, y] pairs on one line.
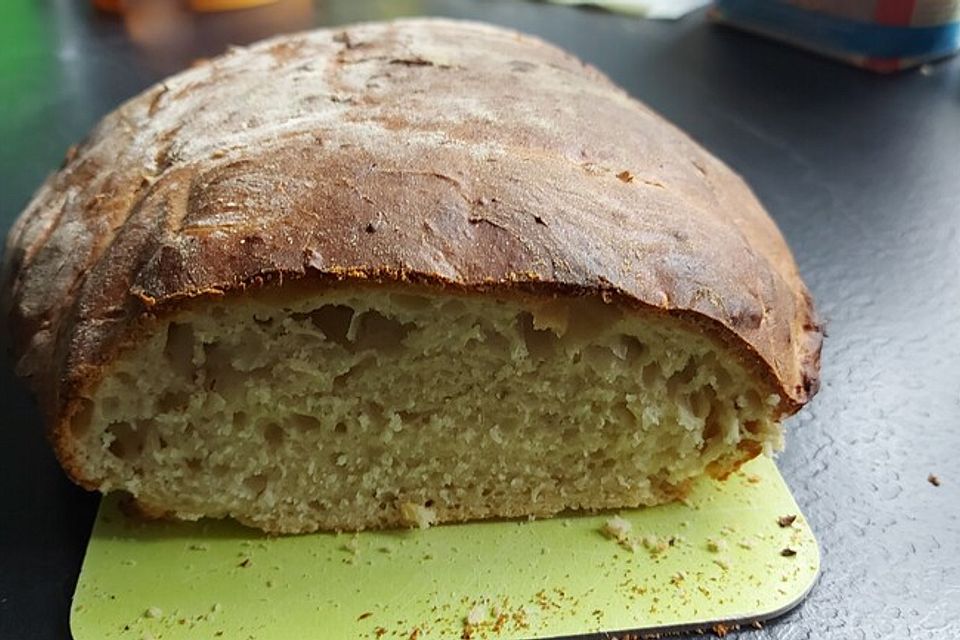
[[401, 274]]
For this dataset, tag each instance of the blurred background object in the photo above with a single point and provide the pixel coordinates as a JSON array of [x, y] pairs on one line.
[[650, 9], [880, 35], [120, 6], [164, 29], [226, 5], [111, 6]]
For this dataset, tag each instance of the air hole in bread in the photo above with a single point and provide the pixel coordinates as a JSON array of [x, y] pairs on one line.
[[636, 351], [374, 331], [273, 434], [620, 414], [540, 343], [652, 375], [173, 401], [126, 441], [680, 381], [178, 349], [304, 422], [256, 484], [495, 341], [333, 320], [701, 401], [218, 373], [712, 427]]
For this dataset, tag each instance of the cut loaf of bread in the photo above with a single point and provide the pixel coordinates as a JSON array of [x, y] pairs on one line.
[[401, 274]]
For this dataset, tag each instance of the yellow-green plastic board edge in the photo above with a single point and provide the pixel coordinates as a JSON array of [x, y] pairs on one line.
[[729, 554]]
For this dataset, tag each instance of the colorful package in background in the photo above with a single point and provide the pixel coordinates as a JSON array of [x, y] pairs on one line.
[[880, 35]]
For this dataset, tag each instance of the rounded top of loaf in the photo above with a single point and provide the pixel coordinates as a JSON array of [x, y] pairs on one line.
[[448, 153]]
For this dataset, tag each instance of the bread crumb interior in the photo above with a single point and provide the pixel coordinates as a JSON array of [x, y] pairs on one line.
[[375, 408]]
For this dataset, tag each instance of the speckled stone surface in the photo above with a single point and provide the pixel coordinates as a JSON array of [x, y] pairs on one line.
[[858, 170]]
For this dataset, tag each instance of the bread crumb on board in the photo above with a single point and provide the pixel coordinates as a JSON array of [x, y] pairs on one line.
[[786, 521], [153, 612], [617, 528], [352, 545], [620, 530], [476, 615], [933, 479], [655, 544], [716, 546]]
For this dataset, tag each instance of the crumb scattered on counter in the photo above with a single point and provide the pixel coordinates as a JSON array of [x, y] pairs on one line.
[[620, 530], [655, 544], [716, 546], [153, 612], [245, 563], [934, 480], [476, 615], [625, 176], [786, 521], [617, 528], [787, 552], [352, 545]]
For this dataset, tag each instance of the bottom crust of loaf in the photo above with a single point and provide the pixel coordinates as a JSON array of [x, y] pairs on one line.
[[368, 408]]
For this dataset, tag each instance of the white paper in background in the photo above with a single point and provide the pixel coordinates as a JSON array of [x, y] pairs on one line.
[[649, 9]]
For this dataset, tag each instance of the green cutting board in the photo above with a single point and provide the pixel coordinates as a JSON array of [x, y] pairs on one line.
[[720, 558]]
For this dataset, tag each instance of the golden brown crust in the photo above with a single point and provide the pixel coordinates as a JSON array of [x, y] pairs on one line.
[[449, 154]]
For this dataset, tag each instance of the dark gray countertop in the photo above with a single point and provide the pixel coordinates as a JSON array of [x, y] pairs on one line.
[[860, 171]]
